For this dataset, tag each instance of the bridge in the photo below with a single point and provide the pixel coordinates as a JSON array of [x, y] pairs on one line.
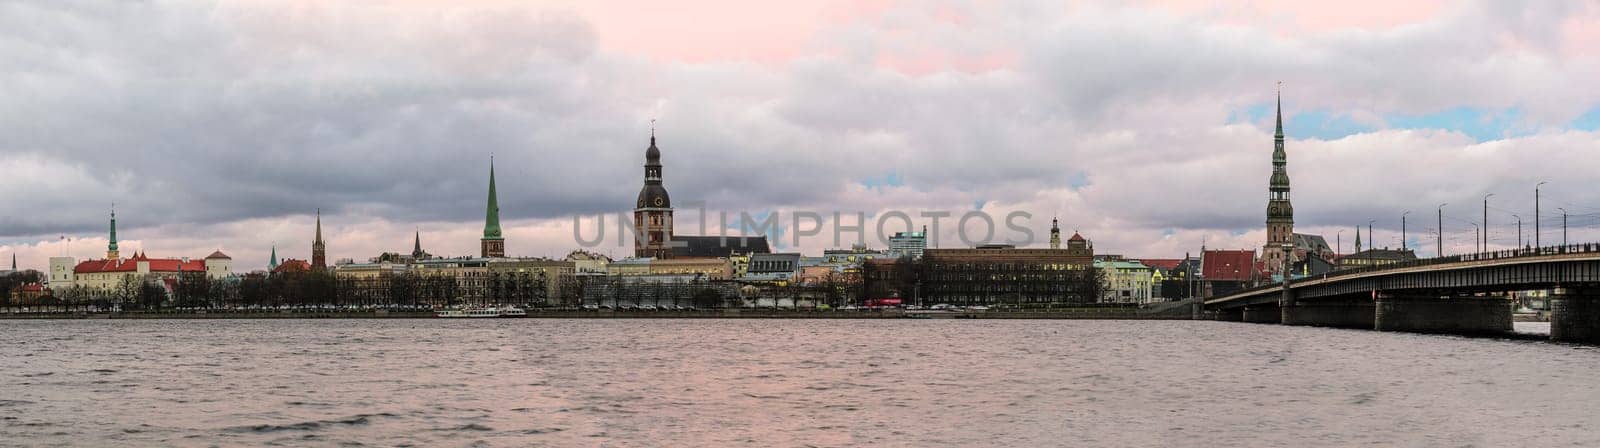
[[1468, 293]]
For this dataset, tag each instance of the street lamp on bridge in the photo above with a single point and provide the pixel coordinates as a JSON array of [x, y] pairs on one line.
[[1372, 240], [1441, 229], [1485, 235], [1403, 229], [1477, 239], [1536, 212], [1519, 230], [1563, 225]]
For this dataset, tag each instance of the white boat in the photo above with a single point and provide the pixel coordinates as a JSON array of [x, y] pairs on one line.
[[512, 311], [471, 312]]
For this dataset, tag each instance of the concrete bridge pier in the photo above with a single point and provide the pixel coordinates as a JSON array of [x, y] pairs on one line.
[[1575, 315], [1263, 314], [1432, 314], [1341, 314]]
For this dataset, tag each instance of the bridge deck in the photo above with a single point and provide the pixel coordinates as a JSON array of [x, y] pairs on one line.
[[1454, 264]]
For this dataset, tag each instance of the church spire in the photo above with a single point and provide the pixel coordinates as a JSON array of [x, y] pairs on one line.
[[272, 263], [1279, 134], [1280, 212], [1358, 238], [319, 250], [493, 245], [416, 248], [111, 249]]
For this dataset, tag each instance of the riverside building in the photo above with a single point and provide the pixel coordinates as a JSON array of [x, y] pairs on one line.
[[1002, 273]]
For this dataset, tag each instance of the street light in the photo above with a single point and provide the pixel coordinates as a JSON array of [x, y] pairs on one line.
[[1371, 240], [1563, 225], [1403, 229], [1441, 229], [1485, 235], [1519, 231], [1477, 239], [1536, 213]]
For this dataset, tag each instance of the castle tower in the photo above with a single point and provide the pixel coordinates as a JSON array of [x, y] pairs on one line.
[[653, 216], [111, 249], [493, 245], [319, 250], [1055, 234], [1280, 213]]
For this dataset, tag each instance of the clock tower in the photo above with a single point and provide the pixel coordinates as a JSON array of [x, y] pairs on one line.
[[652, 214]]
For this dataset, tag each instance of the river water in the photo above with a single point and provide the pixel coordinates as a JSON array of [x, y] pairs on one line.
[[536, 382]]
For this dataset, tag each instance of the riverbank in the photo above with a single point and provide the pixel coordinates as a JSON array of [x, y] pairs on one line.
[[1058, 313]]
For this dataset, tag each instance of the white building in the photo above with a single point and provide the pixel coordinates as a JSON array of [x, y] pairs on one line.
[[1126, 281]]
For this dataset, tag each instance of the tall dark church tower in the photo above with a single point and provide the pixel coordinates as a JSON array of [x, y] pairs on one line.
[[653, 214], [319, 250], [493, 245], [1280, 213]]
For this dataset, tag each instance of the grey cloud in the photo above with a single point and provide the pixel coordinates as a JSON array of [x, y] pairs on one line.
[[217, 114]]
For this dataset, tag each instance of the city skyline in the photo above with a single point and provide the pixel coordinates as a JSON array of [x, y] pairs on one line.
[[1145, 165]]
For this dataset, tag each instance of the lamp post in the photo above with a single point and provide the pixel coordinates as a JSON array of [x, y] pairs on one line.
[[1485, 235], [1441, 229], [1536, 212], [1372, 241], [1519, 230], [1403, 229], [1477, 239], [1563, 225]]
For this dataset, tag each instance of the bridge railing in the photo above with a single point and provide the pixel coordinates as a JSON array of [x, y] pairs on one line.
[[1475, 256]]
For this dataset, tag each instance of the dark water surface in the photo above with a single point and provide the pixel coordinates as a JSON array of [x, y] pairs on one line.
[[538, 382]]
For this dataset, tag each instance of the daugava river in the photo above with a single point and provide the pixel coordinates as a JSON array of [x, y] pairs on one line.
[[692, 383]]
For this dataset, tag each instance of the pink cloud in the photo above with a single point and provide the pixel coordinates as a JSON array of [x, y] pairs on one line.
[[1296, 18]]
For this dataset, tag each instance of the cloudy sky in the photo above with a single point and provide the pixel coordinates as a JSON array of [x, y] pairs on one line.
[[1147, 127]]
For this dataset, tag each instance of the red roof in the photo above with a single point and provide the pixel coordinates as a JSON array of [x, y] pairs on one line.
[[292, 265], [31, 287], [1228, 265], [132, 265], [1075, 237], [1165, 264]]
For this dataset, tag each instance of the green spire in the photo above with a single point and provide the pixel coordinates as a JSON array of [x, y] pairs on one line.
[[273, 262], [491, 213], [113, 246], [1279, 158], [1279, 134]]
